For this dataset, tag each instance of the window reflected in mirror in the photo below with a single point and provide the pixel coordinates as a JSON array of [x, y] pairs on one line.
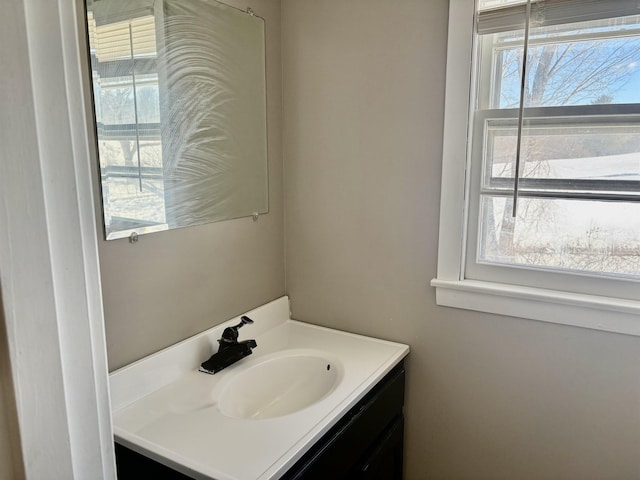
[[180, 113]]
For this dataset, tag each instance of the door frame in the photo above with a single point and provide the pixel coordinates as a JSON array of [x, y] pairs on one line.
[[49, 265]]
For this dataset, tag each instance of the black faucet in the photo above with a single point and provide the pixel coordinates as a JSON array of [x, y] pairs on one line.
[[230, 350]]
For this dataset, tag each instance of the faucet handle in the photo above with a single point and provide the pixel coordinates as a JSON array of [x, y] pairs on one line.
[[230, 334]]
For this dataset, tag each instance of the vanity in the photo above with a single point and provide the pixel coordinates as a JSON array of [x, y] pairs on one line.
[[309, 402]]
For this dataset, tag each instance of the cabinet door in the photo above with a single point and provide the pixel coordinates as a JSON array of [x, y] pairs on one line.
[[345, 451], [384, 460]]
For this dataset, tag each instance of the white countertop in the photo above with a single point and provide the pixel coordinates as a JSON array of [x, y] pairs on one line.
[[167, 410]]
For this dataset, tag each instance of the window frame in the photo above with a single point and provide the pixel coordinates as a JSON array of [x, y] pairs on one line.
[[453, 287]]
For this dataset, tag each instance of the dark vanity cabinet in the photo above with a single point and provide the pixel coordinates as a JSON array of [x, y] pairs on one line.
[[366, 443]]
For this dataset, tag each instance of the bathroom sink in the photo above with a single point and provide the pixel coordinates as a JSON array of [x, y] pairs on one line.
[[256, 418], [279, 385]]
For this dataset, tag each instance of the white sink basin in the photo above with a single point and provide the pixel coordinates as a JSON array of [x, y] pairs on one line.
[[282, 384]]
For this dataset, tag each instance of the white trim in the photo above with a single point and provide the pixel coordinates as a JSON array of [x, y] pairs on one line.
[[49, 270], [454, 153], [589, 311], [73, 25]]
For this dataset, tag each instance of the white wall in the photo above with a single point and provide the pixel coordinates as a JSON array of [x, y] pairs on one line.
[[487, 396]]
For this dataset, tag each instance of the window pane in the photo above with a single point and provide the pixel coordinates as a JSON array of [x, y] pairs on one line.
[[120, 152], [133, 195], [119, 158], [126, 206], [148, 99], [575, 235], [581, 64], [573, 152], [117, 104], [151, 156]]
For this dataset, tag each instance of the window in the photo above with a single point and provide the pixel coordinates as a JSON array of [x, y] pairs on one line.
[[127, 102], [547, 168]]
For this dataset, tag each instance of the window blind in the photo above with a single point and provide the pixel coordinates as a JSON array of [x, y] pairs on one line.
[[113, 41], [552, 12]]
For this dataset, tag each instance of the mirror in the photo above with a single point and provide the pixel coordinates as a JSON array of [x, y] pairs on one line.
[[179, 96]]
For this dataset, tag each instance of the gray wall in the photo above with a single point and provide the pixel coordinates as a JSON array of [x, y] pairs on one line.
[[10, 452], [171, 285], [7, 471], [487, 396]]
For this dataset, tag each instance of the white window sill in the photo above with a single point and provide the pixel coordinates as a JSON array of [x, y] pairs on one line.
[[580, 310]]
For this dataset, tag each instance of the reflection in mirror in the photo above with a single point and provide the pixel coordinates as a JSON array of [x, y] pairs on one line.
[[180, 110]]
